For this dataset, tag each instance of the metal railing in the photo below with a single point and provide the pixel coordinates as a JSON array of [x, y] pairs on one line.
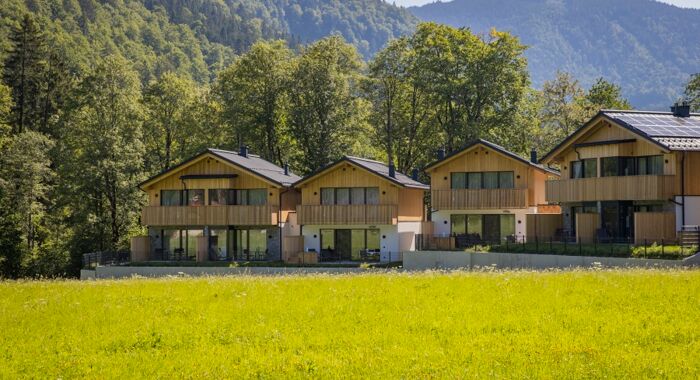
[[562, 245], [94, 259]]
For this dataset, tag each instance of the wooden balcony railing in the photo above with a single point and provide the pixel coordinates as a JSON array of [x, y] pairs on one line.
[[347, 214], [461, 199], [208, 215], [627, 188]]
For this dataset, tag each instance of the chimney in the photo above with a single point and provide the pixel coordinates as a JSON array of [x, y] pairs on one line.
[[244, 151], [392, 170], [681, 109], [441, 153], [286, 168], [414, 175], [533, 156]]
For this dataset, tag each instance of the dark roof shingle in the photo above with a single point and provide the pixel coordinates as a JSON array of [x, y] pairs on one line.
[[258, 166]]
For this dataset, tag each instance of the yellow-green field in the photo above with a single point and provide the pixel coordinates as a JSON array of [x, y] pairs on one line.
[[581, 324]]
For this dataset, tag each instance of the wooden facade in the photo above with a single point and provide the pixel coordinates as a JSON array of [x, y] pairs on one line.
[[586, 226], [656, 227], [543, 225], [606, 139], [461, 199], [279, 203], [209, 215], [528, 189], [347, 214], [642, 187], [396, 203]]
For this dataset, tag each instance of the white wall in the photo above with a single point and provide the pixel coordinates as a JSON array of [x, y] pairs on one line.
[[407, 235], [692, 212], [442, 216]]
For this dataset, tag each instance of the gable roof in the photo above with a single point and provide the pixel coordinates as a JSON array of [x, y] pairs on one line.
[[251, 163], [495, 147], [374, 167], [664, 129]]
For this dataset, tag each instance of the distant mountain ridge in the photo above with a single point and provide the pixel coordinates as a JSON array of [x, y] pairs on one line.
[[647, 47]]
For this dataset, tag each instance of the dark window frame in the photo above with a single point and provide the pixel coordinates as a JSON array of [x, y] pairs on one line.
[[350, 197], [481, 179]]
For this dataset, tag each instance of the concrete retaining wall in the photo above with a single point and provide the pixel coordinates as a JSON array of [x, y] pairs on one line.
[[423, 260], [126, 272]]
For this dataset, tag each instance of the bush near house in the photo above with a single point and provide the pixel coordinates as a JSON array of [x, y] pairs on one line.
[[575, 324], [650, 251]]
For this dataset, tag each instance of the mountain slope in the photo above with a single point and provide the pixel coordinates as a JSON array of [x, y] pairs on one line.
[[199, 37], [649, 48]]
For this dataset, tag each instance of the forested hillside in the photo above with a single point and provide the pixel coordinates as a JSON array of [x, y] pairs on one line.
[[198, 37], [650, 48]]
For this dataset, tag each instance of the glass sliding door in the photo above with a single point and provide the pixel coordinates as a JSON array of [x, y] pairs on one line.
[[219, 244]]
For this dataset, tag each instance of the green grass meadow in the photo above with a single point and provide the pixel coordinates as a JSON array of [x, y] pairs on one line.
[[557, 325]]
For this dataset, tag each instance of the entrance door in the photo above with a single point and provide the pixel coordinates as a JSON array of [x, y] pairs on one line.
[[343, 244], [618, 219], [492, 228]]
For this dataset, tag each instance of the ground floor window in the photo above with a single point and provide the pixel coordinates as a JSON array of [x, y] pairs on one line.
[[348, 244], [179, 244], [250, 244], [475, 228]]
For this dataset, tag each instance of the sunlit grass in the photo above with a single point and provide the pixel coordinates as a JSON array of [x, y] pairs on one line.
[[575, 324]]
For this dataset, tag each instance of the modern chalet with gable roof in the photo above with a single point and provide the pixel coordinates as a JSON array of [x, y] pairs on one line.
[[484, 193], [629, 176], [218, 206], [359, 209]]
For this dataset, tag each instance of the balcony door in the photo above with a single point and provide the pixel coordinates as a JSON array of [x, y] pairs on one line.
[[618, 219], [343, 244], [492, 228]]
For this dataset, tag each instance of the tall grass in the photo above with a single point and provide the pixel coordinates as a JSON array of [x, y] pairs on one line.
[[578, 324]]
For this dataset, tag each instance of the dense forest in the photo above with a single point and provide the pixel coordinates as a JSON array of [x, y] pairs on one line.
[[648, 46], [88, 113]]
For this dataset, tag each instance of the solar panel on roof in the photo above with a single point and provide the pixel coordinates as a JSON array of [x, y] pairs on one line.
[[661, 124]]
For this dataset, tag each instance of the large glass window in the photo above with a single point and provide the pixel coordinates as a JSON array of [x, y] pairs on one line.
[[459, 180], [373, 242], [608, 166], [490, 180], [507, 226], [257, 197], [328, 196], [357, 195], [357, 244], [506, 180], [474, 180], [474, 224], [171, 242], [590, 168], [170, 198], [349, 195], [372, 196], [327, 240], [650, 165], [342, 196], [219, 243], [257, 242], [221, 197], [587, 168], [483, 180], [195, 197], [459, 225]]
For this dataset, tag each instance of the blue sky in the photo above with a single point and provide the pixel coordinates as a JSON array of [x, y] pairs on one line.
[[680, 3]]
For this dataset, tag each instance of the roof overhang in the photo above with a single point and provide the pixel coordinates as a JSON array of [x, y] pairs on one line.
[[486, 144], [197, 158], [570, 140], [324, 170]]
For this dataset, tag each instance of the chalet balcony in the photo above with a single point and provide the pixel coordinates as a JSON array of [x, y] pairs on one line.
[[464, 199], [347, 214], [623, 188], [264, 215]]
